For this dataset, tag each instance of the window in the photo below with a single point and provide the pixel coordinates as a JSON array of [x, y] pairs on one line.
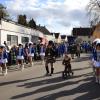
[[25, 39], [34, 39], [12, 39]]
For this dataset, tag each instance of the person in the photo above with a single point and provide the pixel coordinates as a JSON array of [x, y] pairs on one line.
[[31, 54], [97, 64], [3, 60], [67, 70], [42, 52], [49, 58], [13, 54], [66, 47], [78, 50], [26, 53], [35, 51], [93, 56], [6, 46], [20, 56], [72, 50]]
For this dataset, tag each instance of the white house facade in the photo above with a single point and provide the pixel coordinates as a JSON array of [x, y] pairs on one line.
[[14, 33]]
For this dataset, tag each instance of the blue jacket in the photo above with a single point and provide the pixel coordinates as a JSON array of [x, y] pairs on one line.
[[4, 56], [94, 54], [22, 52], [32, 50], [44, 49]]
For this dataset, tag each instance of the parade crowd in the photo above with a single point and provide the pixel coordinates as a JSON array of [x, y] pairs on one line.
[[46, 53]]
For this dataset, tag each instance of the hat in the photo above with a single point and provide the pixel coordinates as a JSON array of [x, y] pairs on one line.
[[30, 43], [96, 40], [2, 46], [50, 43]]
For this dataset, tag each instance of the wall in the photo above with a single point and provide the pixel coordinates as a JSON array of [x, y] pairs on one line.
[[5, 33], [11, 28], [50, 37], [86, 38]]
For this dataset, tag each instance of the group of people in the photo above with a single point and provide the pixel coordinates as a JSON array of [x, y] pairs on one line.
[[27, 54], [19, 54], [46, 53]]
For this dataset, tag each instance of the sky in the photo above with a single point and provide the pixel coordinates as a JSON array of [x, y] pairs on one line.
[[59, 16]]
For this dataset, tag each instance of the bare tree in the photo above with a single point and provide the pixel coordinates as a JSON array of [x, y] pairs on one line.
[[94, 11], [3, 12]]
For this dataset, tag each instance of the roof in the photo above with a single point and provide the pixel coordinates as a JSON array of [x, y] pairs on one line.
[[63, 36], [82, 31], [44, 30]]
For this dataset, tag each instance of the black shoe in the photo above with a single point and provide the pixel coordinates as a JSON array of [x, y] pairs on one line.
[[50, 74], [72, 73]]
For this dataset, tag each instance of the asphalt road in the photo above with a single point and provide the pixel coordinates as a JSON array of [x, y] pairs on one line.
[[31, 84]]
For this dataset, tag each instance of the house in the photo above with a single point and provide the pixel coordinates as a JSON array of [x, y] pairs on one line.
[[14, 33], [96, 33], [46, 32], [84, 34]]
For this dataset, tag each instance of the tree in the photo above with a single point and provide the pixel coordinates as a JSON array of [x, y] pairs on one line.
[[32, 23], [3, 12], [94, 11], [22, 19]]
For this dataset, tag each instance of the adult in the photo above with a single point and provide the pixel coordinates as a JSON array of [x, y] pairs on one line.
[[31, 54], [13, 55], [20, 56], [3, 60], [26, 53], [78, 50], [50, 57], [42, 52], [6, 46]]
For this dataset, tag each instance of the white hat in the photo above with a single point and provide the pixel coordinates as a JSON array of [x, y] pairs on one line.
[[96, 40], [2, 45]]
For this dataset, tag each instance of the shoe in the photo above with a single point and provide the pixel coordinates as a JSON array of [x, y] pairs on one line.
[[4, 73], [50, 74], [22, 67], [96, 81], [72, 73], [47, 74]]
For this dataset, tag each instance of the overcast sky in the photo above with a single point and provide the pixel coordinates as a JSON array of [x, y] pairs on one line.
[[57, 15]]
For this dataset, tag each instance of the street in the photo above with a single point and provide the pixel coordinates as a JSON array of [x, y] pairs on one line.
[[31, 84]]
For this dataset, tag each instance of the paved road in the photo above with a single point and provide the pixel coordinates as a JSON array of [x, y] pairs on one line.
[[31, 84]]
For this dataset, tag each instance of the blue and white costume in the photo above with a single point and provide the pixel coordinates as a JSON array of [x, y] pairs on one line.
[[31, 52], [20, 54], [94, 57], [97, 62], [3, 58], [42, 51]]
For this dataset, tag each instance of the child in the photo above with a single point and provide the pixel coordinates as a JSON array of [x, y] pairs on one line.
[[67, 70], [42, 52], [31, 54], [3, 60], [20, 56], [97, 64]]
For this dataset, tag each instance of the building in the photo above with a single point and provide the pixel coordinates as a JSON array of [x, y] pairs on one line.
[[96, 33], [83, 34], [48, 35], [13, 33]]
